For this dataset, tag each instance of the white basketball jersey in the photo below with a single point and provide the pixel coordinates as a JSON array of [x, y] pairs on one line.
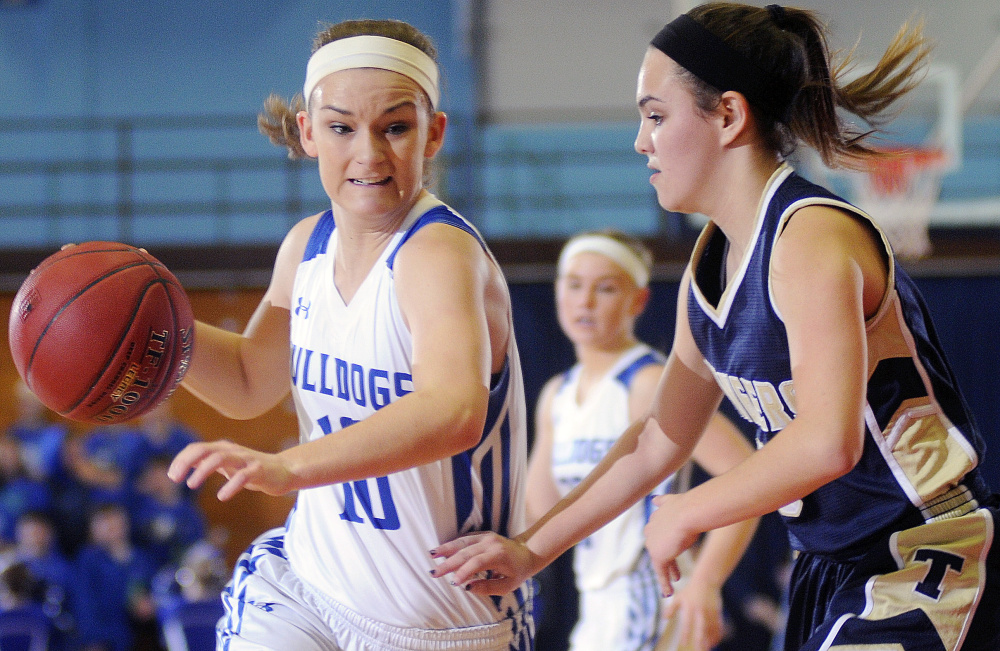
[[582, 435], [366, 543]]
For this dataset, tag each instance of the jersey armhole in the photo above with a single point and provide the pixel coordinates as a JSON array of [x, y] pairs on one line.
[[870, 225]]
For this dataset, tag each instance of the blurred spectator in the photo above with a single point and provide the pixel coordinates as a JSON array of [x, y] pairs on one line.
[[19, 492], [35, 546], [199, 576], [188, 602], [164, 434], [166, 521], [41, 439], [21, 606], [113, 601], [107, 461]]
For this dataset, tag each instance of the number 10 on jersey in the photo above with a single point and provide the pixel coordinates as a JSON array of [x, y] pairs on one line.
[[357, 492]]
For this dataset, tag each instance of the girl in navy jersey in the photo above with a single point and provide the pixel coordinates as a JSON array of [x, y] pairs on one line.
[[395, 323], [794, 308]]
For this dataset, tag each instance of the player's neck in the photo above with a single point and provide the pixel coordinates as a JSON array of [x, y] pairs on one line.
[[359, 247], [735, 210], [595, 361]]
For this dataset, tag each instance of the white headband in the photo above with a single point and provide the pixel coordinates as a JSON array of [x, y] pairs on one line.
[[622, 255], [373, 52]]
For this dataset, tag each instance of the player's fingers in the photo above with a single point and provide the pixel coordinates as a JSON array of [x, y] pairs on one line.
[[450, 548], [675, 571], [454, 554], [467, 556], [688, 629], [487, 571], [462, 565], [216, 461], [237, 482], [496, 586], [666, 589], [185, 460]]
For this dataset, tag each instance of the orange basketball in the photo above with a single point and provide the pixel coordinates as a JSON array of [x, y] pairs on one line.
[[101, 332]]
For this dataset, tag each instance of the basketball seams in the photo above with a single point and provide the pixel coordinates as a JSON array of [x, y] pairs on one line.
[[125, 335], [84, 249], [68, 303], [98, 346], [176, 351], [171, 378]]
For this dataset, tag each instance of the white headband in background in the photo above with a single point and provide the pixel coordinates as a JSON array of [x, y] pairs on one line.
[[373, 52], [622, 255]]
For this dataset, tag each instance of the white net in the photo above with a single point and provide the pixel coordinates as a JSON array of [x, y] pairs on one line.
[[900, 193]]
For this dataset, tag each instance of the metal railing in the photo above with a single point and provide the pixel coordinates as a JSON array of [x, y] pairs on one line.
[[114, 178]]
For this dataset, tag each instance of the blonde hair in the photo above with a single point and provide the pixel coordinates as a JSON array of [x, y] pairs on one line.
[[628, 252], [277, 120]]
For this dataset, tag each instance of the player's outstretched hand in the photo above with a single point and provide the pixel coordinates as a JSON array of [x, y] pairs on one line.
[[486, 563], [665, 540], [697, 609], [241, 466]]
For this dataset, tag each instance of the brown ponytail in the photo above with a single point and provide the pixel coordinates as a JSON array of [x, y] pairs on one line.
[[790, 45]]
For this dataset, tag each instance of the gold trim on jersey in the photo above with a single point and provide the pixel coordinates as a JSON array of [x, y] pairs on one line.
[[868, 647], [927, 454], [719, 314], [941, 570]]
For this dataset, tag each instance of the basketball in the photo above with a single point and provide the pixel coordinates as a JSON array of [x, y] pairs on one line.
[[101, 332]]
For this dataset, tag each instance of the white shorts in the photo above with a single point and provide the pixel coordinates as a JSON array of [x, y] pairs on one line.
[[269, 607], [627, 614]]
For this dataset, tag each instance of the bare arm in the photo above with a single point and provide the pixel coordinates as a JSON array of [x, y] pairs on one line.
[[644, 455], [722, 448], [441, 276], [541, 490], [244, 375], [827, 274], [699, 602]]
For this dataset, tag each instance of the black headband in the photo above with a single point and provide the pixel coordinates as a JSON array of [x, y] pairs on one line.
[[709, 58]]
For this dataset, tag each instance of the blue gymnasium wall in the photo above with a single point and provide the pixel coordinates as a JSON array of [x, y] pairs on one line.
[[62, 58], [121, 58]]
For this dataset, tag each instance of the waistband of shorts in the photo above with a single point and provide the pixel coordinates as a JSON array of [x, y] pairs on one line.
[[473, 638], [960, 500]]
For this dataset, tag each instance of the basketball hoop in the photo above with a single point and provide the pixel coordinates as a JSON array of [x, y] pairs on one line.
[[899, 191]]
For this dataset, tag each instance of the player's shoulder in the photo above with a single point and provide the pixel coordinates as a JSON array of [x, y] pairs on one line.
[[552, 386], [297, 238], [446, 237], [290, 254], [822, 240], [438, 252], [643, 376], [649, 371]]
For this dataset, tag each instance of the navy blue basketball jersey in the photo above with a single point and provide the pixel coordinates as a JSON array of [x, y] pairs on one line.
[[921, 446]]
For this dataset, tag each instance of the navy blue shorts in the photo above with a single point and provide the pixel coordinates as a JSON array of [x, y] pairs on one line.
[[935, 587]]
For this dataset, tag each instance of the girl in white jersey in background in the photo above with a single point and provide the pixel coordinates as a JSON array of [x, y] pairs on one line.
[[396, 324], [601, 289], [794, 308]]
